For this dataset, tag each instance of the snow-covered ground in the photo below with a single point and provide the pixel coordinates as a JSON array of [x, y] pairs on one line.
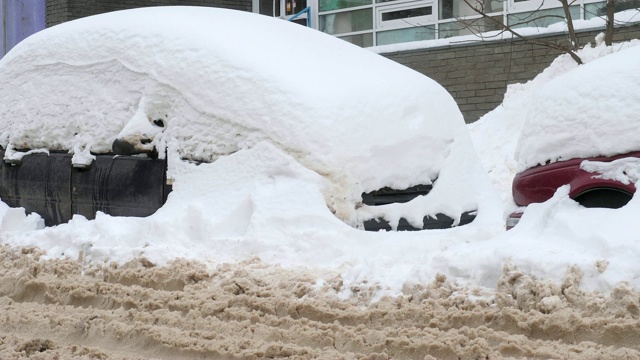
[[268, 195]]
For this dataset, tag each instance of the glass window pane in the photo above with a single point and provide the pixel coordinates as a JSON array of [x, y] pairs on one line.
[[541, 18], [267, 7], [594, 10], [362, 40], [406, 13], [458, 8], [328, 5], [626, 5], [469, 27], [349, 21], [406, 35]]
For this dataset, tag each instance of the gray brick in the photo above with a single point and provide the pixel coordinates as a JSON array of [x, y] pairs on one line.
[[483, 51], [476, 100], [486, 92], [446, 55], [476, 86], [496, 84], [457, 87], [467, 107], [466, 94]]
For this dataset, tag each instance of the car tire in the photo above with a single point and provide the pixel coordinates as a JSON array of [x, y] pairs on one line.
[[604, 198]]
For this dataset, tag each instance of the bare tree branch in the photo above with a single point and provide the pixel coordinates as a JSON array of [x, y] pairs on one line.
[[570, 50], [572, 31], [608, 33]]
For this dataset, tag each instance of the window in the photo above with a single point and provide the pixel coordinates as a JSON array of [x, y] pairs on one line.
[[532, 5], [269, 7], [404, 15], [382, 22], [541, 18], [347, 22], [362, 40], [329, 5], [405, 35]]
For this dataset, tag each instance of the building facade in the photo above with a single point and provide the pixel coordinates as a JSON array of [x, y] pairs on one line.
[[382, 22]]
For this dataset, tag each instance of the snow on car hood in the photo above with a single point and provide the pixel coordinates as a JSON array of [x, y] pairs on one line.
[[205, 83], [599, 101]]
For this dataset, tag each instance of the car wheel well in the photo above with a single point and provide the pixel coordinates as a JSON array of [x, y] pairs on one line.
[[610, 198]]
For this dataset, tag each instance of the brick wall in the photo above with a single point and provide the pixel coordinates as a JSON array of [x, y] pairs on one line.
[[59, 11], [477, 75]]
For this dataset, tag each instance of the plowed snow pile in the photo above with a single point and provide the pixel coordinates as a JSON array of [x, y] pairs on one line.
[[58, 309]]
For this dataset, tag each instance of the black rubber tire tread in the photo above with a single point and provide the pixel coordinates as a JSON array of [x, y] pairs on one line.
[[604, 198]]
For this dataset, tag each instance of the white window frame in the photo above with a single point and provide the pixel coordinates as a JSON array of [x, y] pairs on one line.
[[407, 22], [533, 5]]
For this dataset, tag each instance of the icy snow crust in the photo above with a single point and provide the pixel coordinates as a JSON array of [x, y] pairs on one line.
[[220, 81]]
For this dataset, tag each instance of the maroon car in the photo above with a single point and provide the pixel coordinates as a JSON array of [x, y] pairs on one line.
[[538, 184]]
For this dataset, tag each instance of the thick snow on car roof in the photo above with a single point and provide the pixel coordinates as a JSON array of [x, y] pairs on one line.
[[581, 118], [208, 82]]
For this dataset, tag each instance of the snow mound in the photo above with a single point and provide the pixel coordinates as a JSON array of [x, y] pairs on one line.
[[554, 117], [522, 133], [205, 83], [590, 111]]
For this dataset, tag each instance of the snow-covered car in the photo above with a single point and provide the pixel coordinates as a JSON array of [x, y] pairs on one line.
[[167, 87], [539, 184], [587, 116]]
